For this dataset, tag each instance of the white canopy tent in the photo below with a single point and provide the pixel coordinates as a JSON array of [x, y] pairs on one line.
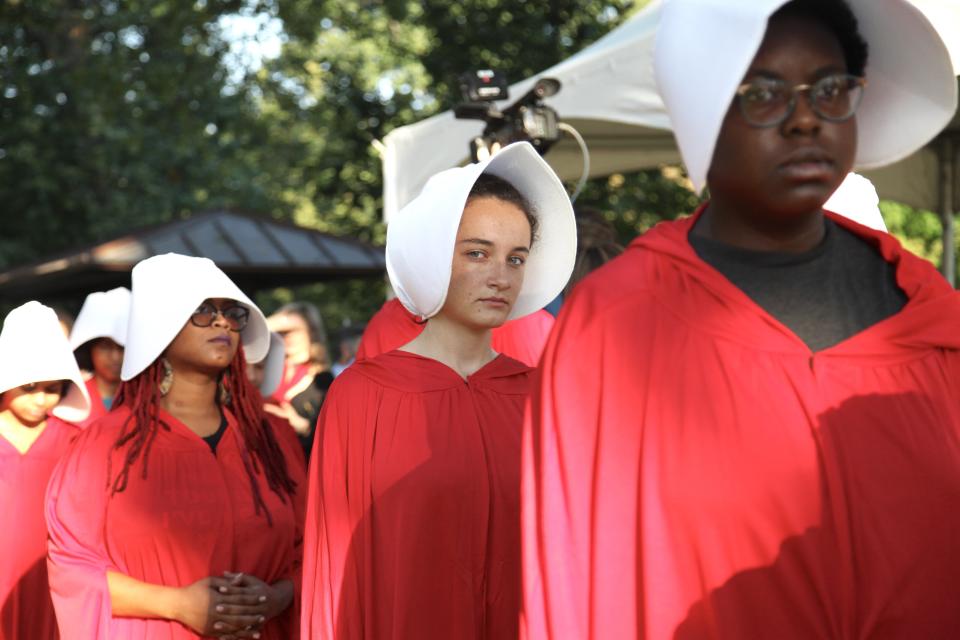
[[608, 94]]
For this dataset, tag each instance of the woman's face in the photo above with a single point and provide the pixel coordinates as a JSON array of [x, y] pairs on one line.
[[107, 358], [30, 403], [492, 247], [783, 172], [296, 337], [208, 349]]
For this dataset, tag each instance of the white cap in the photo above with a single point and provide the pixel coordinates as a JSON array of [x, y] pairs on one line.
[[167, 289], [856, 198], [272, 365], [34, 349], [704, 48], [421, 238], [103, 315]]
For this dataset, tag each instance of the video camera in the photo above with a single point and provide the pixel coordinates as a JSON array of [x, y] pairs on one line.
[[526, 119]]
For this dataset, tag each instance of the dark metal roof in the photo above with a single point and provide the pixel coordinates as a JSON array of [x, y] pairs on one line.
[[256, 252]]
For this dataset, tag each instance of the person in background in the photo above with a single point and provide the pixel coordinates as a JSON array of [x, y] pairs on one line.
[[767, 443], [41, 394], [306, 375], [349, 344], [265, 375], [413, 516], [97, 338], [178, 515], [596, 245]]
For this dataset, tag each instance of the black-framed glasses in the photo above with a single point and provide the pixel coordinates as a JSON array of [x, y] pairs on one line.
[[235, 316], [766, 102]]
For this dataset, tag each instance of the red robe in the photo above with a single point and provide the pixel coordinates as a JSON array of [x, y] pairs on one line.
[[393, 326], [192, 517], [27, 611], [97, 408], [692, 470], [413, 516], [291, 384]]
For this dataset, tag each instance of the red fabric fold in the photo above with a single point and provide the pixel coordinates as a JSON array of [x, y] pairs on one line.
[[26, 610], [692, 470], [413, 514], [192, 516]]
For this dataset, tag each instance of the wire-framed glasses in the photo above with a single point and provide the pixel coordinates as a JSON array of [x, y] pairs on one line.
[[767, 102]]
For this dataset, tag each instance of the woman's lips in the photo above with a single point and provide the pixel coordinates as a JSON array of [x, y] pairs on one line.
[[496, 302], [221, 340], [807, 171]]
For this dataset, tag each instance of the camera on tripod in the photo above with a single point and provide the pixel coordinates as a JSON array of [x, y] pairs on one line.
[[526, 119]]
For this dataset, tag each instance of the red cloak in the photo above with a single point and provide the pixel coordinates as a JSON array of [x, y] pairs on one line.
[[193, 516], [692, 470], [413, 514], [393, 326], [97, 408], [27, 611]]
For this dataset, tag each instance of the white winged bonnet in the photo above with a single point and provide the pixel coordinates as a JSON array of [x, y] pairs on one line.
[[104, 314], [704, 48], [857, 199], [272, 365], [421, 237], [167, 289], [34, 349]]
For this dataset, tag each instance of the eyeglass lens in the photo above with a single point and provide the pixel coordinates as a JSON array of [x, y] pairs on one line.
[[766, 102], [235, 316]]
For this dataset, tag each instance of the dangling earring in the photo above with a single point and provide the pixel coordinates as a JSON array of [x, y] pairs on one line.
[[224, 393], [167, 381]]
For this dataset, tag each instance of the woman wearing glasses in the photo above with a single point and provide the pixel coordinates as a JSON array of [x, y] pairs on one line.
[[40, 390], [177, 515], [770, 445]]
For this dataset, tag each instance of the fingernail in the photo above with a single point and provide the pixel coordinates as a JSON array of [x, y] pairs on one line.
[[223, 589], [263, 598], [262, 620], [256, 635], [219, 608], [218, 625]]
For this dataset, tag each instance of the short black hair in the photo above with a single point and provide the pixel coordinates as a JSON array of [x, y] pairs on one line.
[[839, 19], [491, 186]]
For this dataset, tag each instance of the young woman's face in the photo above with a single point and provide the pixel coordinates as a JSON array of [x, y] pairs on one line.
[[30, 403], [296, 337], [210, 349], [790, 169], [107, 358], [492, 246]]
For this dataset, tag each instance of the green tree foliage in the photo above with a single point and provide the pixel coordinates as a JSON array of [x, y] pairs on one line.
[[116, 114]]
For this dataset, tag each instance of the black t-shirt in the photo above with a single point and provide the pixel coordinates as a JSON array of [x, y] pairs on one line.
[[214, 438], [825, 295]]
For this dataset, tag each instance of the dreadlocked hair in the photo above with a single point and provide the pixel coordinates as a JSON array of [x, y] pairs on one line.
[[261, 452]]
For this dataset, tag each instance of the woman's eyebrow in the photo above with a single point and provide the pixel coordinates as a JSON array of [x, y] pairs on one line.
[[486, 243]]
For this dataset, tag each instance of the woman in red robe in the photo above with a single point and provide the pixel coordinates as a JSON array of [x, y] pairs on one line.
[[177, 515], [413, 515], [35, 365], [747, 426], [97, 338]]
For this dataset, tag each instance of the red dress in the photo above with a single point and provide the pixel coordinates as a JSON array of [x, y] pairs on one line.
[[393, 326], [692, 470], [192, 517], [413, 515], [27, 611], [97, 408]]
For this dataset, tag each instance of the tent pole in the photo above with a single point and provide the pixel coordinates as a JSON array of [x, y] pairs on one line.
[[948, 162]]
